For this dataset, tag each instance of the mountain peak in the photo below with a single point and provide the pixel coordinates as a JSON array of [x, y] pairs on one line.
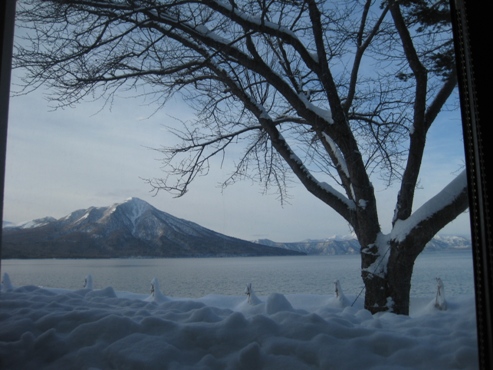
[[136, 201], [128, 229], [37, 222], [135, 208], [137, 204]]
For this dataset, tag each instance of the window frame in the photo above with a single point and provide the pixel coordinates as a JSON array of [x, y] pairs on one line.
[[468, 34]]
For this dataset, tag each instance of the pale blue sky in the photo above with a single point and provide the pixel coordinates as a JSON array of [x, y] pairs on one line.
[[61, 161]]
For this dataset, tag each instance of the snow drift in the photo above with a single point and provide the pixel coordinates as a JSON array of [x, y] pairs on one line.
[[108, 329]]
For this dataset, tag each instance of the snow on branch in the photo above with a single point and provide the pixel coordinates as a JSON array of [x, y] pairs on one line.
[[265, 26], [322, 190], [433, 209], [382, 252], [337, 153]]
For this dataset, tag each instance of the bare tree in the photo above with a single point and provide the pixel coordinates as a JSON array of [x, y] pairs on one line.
[[335, 94]]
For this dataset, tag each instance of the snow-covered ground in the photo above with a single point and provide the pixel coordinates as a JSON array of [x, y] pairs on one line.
[[107, 329]]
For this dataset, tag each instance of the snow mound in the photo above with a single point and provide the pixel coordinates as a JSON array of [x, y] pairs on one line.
[[108, 329]]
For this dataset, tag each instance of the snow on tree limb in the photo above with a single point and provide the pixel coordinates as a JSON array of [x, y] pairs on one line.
[[452, 195]]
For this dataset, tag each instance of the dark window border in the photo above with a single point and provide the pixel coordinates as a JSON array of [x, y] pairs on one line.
[[7, 15], [470, 31], [470, 35]]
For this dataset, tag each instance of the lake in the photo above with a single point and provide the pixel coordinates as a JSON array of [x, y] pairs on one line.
[[197, 277]]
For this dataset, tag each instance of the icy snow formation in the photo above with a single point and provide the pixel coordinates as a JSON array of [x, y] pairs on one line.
[[251, 297], [6, 283], [340, 297], [88, 282], [156, 294], [440, 301]]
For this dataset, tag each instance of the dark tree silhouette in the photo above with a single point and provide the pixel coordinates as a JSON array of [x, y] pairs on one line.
[[334, 93]]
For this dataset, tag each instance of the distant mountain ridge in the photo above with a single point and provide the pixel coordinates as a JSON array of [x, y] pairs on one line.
[[133, 228], [348, 244]]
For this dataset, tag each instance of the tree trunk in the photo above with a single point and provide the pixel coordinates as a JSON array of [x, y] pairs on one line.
[[388, 283], [374, 277], [399, 272], [376, 292]]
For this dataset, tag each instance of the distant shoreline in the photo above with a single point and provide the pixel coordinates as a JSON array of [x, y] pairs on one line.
[[447, 250]]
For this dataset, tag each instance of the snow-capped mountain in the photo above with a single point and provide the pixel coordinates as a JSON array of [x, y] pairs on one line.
[[7, 224], [35, 223], [444, 242], [348, 244], [329, 246], [131, 228]]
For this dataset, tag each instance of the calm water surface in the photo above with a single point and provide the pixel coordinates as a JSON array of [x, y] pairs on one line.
[[197, 277]]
